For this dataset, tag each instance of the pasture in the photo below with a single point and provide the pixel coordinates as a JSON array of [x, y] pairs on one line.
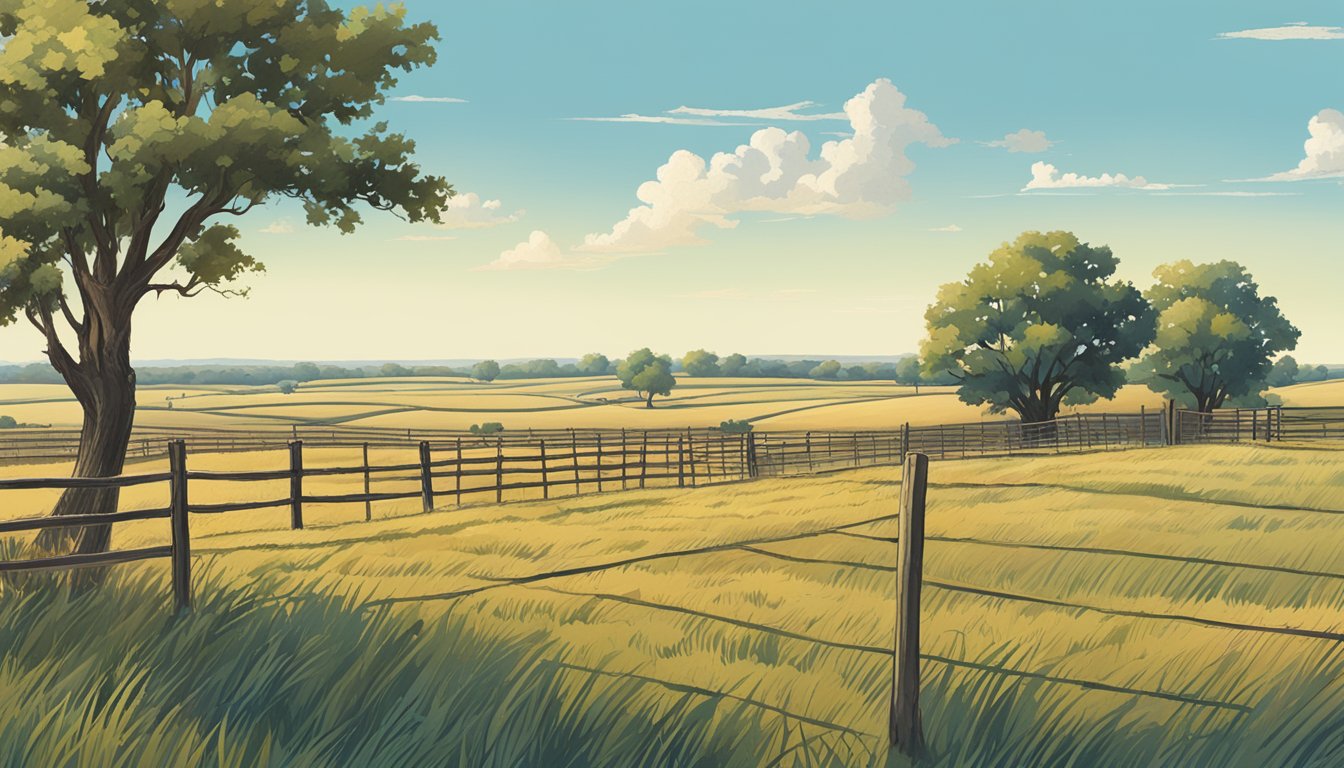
[[445, 403], [1176, 606]]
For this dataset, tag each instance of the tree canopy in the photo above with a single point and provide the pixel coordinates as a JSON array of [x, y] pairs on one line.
[[486, 370], [699, 362], [1042, 323], [1216, 335], [647, 374]]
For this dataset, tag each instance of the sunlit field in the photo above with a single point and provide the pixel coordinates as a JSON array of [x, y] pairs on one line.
[[1176, 606], [456, 404]]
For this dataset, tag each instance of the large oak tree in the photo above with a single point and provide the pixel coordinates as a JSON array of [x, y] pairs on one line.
[[1041, 324], [1216, 335], [132, 130]]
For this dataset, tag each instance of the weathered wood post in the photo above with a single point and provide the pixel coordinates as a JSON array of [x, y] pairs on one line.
[[296, 485], [598, 437], [499, 470], [690, 455], [545, 474], [457, 474], [681, 462], [625, 462], [574, 457], [368, 504], [753, 470], [181, 532], [643, 459], [906, 726], [426, 478]]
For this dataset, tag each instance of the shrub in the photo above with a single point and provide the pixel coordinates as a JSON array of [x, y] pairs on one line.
[[735, 427], [488, 428]]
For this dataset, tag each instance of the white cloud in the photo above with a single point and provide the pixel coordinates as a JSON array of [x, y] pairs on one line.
[[862, 176], [948, 228], [538, 252], [414, 99], [1324, 150], [786, 112], [1295, 31], [1047, 176], [278, 228], [424, 238], [469, 211], [1024, 140]]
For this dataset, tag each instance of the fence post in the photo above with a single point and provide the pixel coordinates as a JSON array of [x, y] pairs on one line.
[[643, 459], [681, 462], [426, 478], [752, 469], [690, 455], [499, 470], [368, 504], [545, 474], [574, 456], [906, 728], [905, 441], [597, 436], [177, 461], [296, 485], [625, 455], [457, 474]]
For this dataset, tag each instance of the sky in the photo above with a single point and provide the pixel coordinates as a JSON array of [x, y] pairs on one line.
[[800, 178]]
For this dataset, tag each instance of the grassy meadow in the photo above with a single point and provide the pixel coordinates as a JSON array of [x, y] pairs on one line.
[[445, 403], [1172, 607]]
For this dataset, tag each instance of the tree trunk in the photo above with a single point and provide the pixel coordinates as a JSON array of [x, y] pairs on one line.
[[649, 403], [104, 383]]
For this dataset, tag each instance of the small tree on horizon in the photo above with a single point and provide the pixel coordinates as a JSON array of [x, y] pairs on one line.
[[1284, 372], [733, 364], [910, 372], [647, 374], [594, 364], [1216, 335], [830, 369], [1041, 324], [485, 370], [700, 363]]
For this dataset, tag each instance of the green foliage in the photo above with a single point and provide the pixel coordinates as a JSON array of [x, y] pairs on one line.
[[287, 387], [1041, 324], [699, 362], [827, 370], [1283, 372], [647, 374], [8, 422], [488, 428], [736, 427], [115, 113], [733, 364], [594, 364], [1216, 335], [486, 370]]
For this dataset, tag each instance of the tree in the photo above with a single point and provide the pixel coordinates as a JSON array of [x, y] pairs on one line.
[[647, 374], [733, 365], [1039, 325], [594, 364], [286, 387], [306, 372], [394, 370], [827, 370], [1284, 372], [1216, 335], [700, 363], [486, 370], [8, 422], [909, 372], [130, 128]]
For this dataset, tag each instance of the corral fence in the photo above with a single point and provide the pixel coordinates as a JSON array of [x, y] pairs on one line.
[[1274, 424]]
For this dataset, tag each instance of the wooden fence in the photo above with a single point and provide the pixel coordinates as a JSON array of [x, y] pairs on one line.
[[1274, 424]]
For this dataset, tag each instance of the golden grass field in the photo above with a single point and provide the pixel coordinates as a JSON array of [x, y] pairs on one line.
[[1087, 589], [443, 403]]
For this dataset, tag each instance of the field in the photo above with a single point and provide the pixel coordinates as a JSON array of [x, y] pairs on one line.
[[423, 403], [1175, 606]]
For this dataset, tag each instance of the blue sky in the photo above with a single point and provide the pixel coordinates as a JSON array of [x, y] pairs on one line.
[[1179, 100]]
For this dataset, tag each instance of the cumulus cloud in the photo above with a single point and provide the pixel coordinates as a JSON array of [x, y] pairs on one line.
[[540, 252], [1324, 150], [776, 172], [1024, 140], [1297, 31], [1047, 176], [415, 99], [469, 211]]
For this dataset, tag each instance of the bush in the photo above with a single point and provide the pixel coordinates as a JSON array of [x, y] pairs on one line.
[[287, 387], [8, 422], [735, 427], [488, 428]]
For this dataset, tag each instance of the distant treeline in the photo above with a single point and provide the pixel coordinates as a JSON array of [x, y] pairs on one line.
[[696, 363]]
